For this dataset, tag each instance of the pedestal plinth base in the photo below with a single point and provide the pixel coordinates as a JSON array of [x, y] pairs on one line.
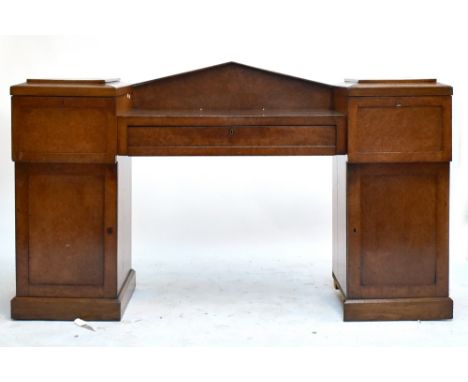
[[427, 308], [68, 309]]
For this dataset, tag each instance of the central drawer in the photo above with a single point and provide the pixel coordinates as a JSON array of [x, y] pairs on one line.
[[231, 140]]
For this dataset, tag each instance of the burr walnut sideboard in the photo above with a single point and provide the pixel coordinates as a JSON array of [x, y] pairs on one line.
[[73, 139]]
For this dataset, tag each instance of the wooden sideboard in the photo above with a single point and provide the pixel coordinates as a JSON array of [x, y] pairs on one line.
[[73, 139]]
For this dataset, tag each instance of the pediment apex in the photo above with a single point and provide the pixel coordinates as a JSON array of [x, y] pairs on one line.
[[229, 86], [232, 65]]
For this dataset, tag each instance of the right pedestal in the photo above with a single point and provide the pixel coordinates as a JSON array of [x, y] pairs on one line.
[[391, 240]]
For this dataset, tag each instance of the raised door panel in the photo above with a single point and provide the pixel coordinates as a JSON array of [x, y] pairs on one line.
[[66, 217], [66, 225], [399, 129], [397, 230]]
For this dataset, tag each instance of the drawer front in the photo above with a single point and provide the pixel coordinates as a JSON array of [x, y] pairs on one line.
[[64, 129], [395, 129], [231, 140]]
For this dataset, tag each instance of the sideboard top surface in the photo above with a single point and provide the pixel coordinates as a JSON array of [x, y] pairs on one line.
[[228, 86], [408, 87], [70, 87]]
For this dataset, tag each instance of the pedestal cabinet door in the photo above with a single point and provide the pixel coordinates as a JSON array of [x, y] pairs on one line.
[[397, 230], [66, 230]]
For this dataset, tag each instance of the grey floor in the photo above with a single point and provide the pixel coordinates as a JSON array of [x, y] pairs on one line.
[[255, 275], [274, 298]]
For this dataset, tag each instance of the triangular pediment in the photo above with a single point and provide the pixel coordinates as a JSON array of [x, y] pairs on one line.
[[231, 86]]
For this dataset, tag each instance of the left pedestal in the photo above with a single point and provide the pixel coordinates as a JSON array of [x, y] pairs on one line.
[[70, 259], [72, 197]]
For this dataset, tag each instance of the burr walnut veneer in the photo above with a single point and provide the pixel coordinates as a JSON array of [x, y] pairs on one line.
[[73, 139]]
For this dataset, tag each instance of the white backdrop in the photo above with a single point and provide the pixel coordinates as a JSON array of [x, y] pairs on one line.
[[212, 205], [236, 200]]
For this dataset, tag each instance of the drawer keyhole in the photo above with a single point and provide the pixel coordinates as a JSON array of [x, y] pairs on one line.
[[231, 131]]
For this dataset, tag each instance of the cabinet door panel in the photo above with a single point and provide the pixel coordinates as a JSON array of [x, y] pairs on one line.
[[66, 220], [398, 230], [66, 244]]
